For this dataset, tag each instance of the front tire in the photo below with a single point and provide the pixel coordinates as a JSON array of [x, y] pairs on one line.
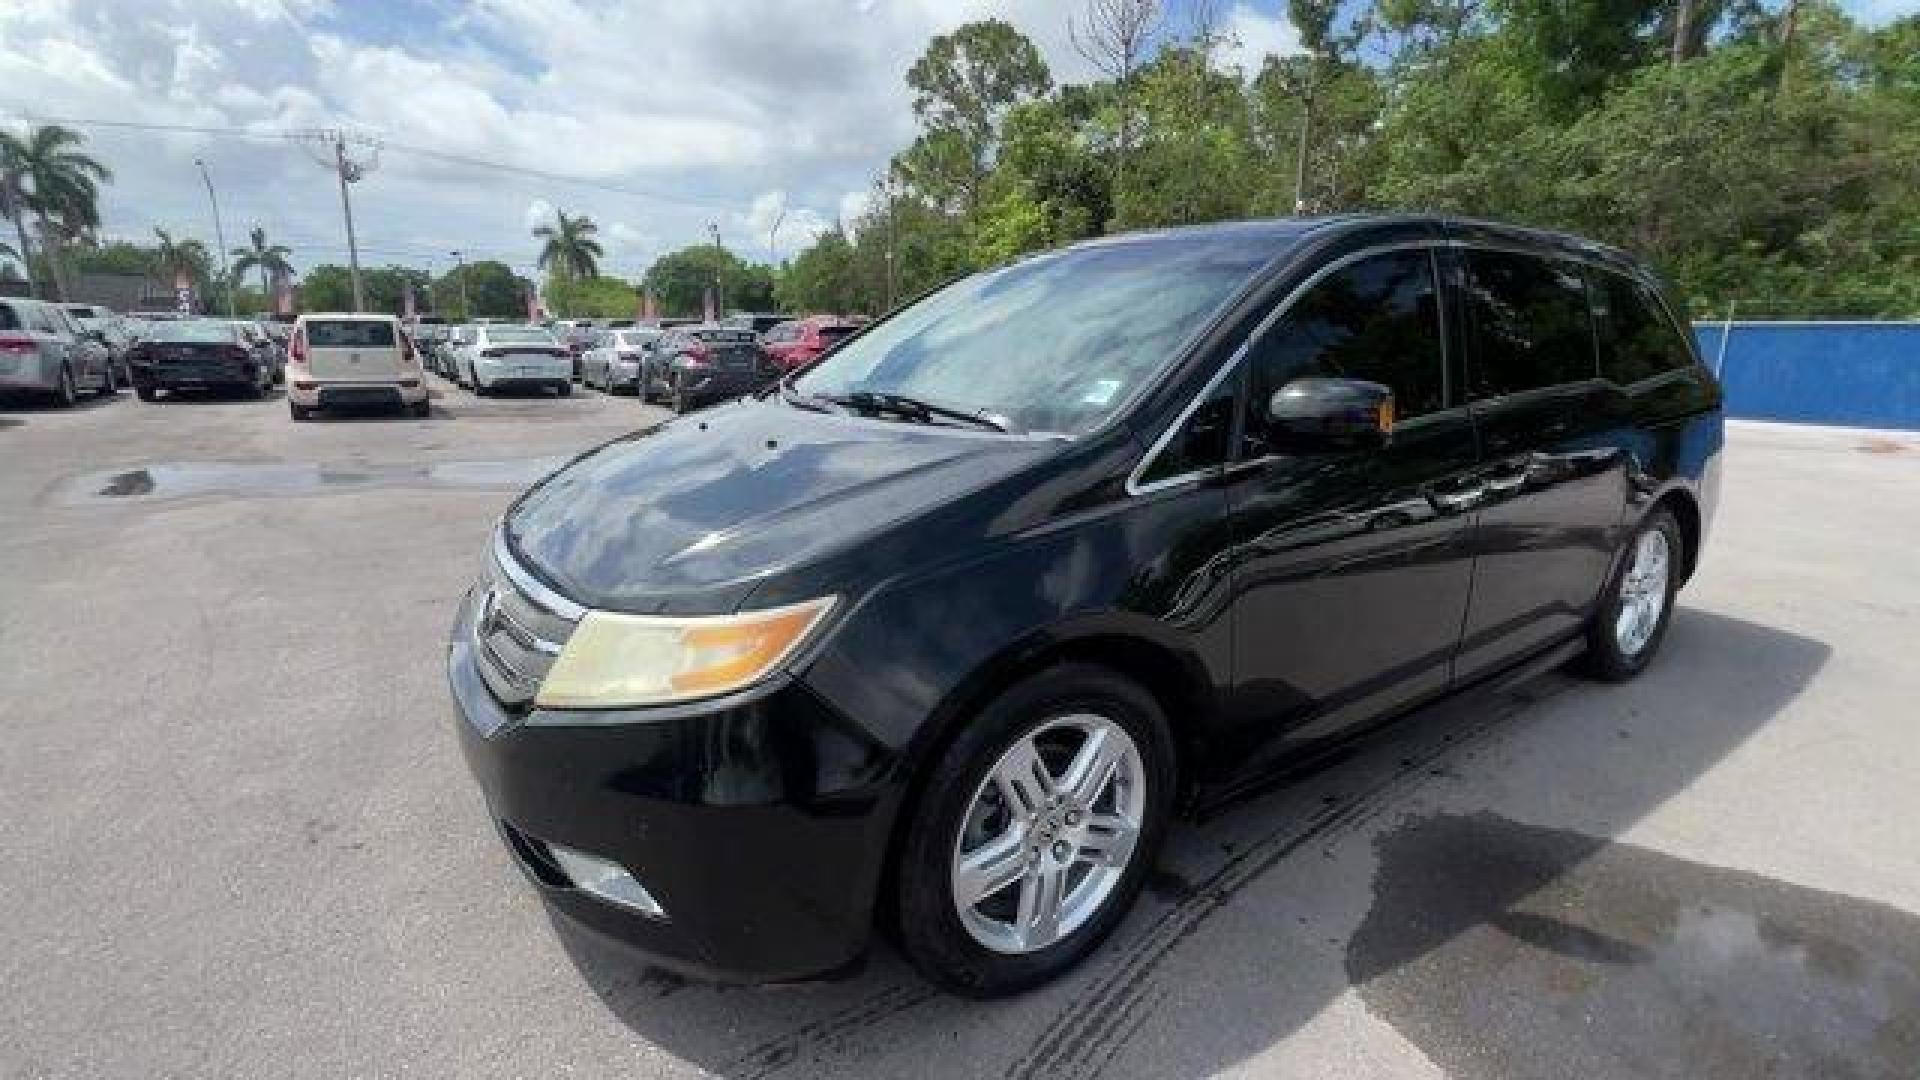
[[564, 388], [300, 413], [1035, 832], [146, 393], [1632, 618]]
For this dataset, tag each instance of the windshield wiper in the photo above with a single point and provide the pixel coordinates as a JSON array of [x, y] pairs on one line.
[[876, 402], [810, 402]]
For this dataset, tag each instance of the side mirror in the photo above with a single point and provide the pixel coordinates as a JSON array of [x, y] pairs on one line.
[[1330, 414]]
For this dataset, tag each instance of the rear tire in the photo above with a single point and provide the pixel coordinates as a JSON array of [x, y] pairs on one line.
[[300, 413], [1632, 618], [420, 409], [968, 810], [564, 388], [146, 393], [64, 395]]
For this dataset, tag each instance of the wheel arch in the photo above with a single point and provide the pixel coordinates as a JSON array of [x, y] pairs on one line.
[[1175, 677], [1685, 508]]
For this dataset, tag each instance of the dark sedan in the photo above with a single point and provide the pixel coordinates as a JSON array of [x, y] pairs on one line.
[[200, 354], [694, 366], [940, 634]]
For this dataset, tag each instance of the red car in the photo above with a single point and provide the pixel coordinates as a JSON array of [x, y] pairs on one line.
[[793, 344]]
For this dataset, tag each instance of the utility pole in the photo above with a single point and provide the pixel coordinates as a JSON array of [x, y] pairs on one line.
[[460, 267], [328, 148], [774, 233], [219, 237], [719, 294]]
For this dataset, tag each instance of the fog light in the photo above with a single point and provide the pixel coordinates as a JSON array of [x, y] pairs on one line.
[[606, 880]]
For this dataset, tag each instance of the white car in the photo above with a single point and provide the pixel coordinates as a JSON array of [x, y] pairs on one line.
[[342, 359], [613, 364], [496, 356]]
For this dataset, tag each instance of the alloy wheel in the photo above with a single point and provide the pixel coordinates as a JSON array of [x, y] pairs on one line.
[[1643, 593], [1049, 833]]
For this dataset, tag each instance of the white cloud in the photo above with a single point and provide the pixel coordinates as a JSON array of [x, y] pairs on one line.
[[539, 212], [1252, 37], [803, 100]]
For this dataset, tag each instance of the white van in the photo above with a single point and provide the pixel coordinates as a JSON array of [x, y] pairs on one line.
[[340, 359]]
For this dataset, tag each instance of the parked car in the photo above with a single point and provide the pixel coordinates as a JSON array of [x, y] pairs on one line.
[[199, 354], [110, 329], [703, 364], [496, 356], [799, 342], [614, 361], [353, 360], [269, 350], [44, 352], [953, 622]]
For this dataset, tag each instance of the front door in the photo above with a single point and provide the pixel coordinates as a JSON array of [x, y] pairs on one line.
[[1352, 567]]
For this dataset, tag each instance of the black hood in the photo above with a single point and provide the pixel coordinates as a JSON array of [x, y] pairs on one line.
[[691, 515]]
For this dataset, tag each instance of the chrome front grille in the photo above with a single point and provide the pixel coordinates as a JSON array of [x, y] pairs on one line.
[[519, 629]]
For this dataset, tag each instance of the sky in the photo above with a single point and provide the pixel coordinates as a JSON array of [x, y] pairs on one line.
[[660, 119], [769, 119]]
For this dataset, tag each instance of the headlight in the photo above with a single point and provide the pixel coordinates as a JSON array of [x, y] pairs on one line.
[[614, 660]]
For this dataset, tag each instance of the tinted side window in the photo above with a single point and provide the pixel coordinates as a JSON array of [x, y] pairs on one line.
[[9, 317], [1202, 441], [1531, 323], [1377, 319], [1641, 340]]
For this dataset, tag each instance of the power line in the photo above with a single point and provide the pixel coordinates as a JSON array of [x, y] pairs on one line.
[[446, 156]]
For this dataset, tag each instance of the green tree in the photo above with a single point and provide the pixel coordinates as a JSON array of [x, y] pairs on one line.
[[270, 259], [963, 85], [595, 297], [327, 287], [495, 291], [821, 278], [46, 173], [679, 281], [187, 260], [570, 249]]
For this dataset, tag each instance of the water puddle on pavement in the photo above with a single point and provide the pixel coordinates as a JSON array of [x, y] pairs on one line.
[[190, 479], [1506, 950]]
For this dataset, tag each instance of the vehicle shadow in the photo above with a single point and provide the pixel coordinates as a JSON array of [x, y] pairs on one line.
[[1403, 874]]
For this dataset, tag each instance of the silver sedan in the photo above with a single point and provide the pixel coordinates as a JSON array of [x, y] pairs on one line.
[[613, 362]]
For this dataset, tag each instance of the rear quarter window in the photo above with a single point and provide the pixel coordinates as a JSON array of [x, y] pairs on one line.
[[349, 334], [1640, 341]]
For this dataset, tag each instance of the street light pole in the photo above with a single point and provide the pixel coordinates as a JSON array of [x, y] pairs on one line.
[[219, 236], [719, 294], [460, 267]]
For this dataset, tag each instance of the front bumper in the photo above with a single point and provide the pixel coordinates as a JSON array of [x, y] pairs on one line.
[[758, 823]]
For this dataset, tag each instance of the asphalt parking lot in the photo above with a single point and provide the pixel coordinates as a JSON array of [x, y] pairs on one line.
[[239, 839]]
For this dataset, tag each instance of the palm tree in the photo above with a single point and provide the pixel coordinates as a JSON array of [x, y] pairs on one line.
[[45, 172], [271, 259], [176, 259], [570, 250]]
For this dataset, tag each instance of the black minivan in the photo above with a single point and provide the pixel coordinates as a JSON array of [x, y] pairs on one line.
[[938, 632]]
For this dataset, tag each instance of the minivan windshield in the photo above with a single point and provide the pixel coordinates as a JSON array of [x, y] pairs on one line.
[[1051, 344]]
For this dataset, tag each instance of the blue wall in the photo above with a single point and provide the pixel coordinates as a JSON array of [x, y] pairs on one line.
[[1853, 373]]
